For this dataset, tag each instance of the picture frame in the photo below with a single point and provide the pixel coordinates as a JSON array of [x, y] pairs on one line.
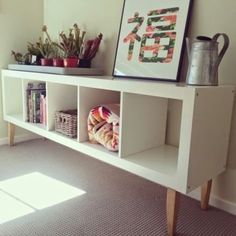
[[150, 41]]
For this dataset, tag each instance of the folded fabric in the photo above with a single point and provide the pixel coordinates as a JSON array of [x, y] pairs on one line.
[[103, 126]]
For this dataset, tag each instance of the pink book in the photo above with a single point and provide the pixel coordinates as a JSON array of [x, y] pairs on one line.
[[43, 109]]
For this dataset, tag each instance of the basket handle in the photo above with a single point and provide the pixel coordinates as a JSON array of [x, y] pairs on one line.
[[62, 120]]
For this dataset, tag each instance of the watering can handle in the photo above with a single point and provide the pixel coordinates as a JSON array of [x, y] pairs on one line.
[[223, 50], [188, 47]]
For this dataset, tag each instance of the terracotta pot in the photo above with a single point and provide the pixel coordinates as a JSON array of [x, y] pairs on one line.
[[46, 62], [58, 62], [71, 62]]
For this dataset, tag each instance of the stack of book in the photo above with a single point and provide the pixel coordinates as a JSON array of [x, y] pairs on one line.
[[36, 102]]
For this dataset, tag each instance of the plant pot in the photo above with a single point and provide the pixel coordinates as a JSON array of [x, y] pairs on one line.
[[46, 62], [71, 62], [58, 62], [85, 63]]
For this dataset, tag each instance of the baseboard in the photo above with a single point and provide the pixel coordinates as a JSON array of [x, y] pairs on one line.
[[19, 138], [216, 201]]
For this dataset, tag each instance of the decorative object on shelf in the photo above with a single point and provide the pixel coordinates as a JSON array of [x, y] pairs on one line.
[[71, 62], [32, 57], [71, 45], [90, 50], [103, 126], [151, 39], [85, 63], [57, 62], [66, 122], [20, 58], [45, 47], [67, 53], [56, 52], [35, 54], [204, 59]]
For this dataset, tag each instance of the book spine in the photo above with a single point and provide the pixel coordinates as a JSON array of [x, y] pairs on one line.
[[30, 108], [41, 108], [33, 97], [27, 105], [44, 111]]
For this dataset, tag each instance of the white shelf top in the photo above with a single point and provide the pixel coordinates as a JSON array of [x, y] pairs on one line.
[[145, 87]]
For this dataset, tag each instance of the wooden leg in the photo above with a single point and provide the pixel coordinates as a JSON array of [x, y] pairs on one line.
[[205, 194], [11, 133], [172, 206]]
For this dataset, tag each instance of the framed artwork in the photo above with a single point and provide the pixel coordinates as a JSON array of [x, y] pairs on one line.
[[150, 43]]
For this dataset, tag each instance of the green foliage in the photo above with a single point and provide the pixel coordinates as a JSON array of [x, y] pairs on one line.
[[33, 50], [71, 44], [45, 47]]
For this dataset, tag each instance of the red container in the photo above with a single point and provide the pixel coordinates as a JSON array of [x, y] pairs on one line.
[[58, 62], [46, 62], [71, 62]]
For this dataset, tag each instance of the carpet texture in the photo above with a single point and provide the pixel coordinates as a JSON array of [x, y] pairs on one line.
[[116, 202]]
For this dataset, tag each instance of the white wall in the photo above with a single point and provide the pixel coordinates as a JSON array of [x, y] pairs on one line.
[[103, 16], [20, 22], [92, 16]]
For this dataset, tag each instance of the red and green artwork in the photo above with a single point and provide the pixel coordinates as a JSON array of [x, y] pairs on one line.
[[133, 36], [160, 31]]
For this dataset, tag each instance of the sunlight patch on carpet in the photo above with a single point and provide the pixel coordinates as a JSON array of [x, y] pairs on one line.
[[28, 193]]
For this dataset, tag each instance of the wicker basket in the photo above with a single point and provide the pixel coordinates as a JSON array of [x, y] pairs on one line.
[[66, 122]]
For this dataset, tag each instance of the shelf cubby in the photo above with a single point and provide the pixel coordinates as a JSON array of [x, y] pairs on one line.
[[25, 83], [89, 98], [146, 137], [143, 124], [59, 97]]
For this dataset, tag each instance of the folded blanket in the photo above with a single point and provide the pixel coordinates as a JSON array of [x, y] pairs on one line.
[[103, 126]]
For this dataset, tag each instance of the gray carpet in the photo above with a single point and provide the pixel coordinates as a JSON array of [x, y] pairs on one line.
[[115, 203]]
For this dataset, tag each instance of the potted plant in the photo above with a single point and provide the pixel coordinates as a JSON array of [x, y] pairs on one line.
[[56, 53], [20, 58], [46, 50], [31, 57], [34, 54], [57, 59], [71, 45], [90, 50]]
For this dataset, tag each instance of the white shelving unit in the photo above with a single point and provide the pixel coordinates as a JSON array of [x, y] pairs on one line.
[[172, 134], [169, 133]]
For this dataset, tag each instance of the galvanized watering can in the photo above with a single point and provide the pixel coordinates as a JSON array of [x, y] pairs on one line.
[[204, 59]]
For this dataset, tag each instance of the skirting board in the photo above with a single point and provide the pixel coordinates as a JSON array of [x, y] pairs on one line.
[[19, 138], [216, 201]]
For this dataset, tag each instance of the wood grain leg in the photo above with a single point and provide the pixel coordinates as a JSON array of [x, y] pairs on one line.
[[205, 194], [172, 206], [11, 133]]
